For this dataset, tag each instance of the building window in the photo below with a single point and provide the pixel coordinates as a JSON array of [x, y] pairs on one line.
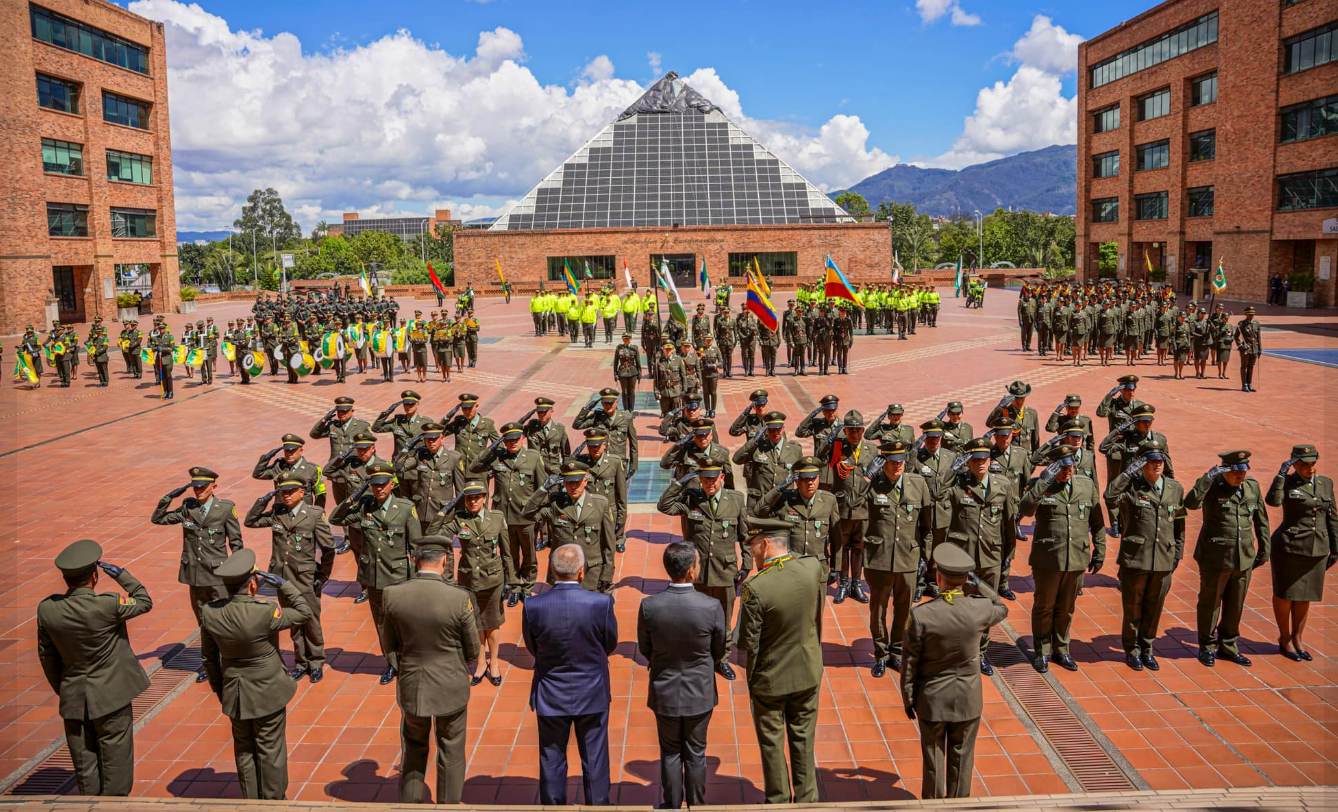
[[1200, 201], [1308, 190], [57, 94], [122, 110], [1203, 90], [601, 267], [1106, 210], [772, 263], [1314, 47], [1150, 206], [1310, 119], [1155, 104], [1203, 146], [62, 157], [63, 32], [66, 220], [129, 167], [1106, 165], [134, 223], [1182, 40], [1156, 155], [1106, 120]]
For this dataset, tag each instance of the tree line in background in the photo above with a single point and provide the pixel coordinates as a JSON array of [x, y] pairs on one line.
[[1026, 239], [266, 230]]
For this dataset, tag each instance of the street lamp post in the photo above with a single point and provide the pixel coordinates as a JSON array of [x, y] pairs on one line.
[[980, 232]]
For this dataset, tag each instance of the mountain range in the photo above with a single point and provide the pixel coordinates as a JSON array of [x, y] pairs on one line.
[[1044, 180]]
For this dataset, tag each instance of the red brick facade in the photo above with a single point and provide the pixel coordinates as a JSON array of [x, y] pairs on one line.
[[1254, 239], [27, 254], [861, 250]]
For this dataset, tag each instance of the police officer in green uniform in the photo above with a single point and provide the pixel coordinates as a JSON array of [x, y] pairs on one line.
[[607, 479], [1233, 509], [473, 432], [1010, 460], [748, 421], [1067, 507], [901, 524], [341, 427], [844, 451], [767, 457], [940, 678], [86, 656], [405, 427], [697, 449], [1147, 512], [618, 424], [956, 431], [429, 473], [627, 370], [669, 379], [935, 463], [894, 428], [812, 514], [1122, 443], [389, 526], [578, 517], [209, 532], [714, 519], [239, 644], [780, 635], [1070, 408], [300, 535], [546, 435], [517, 473], [1305, 545], [292, 465]]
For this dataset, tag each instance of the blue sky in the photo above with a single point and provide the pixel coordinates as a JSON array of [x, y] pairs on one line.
[[402, 105]]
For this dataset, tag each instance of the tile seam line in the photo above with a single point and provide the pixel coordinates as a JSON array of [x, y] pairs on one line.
[[1228, 744]]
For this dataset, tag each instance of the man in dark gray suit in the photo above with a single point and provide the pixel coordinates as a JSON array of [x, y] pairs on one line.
[[682, 634], [571, 632]]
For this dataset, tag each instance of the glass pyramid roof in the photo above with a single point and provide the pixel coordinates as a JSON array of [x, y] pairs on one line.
[[672, 158]]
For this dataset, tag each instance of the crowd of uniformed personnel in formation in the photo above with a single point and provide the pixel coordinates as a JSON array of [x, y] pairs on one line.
[[1136, 320], [884, 512]]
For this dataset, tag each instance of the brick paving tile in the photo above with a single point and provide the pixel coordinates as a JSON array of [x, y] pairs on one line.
[[1184, 727]]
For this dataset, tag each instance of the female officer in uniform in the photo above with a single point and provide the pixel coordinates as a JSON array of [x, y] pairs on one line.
[[1304, 545]]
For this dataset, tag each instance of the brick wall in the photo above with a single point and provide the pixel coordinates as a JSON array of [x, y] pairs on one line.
[[27, 254]]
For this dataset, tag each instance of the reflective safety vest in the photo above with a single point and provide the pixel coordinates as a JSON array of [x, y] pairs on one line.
[[632, 303], [611, 307], [589, 313], [536, 304]]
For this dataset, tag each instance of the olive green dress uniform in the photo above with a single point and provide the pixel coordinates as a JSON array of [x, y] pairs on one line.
[[84, 649], [716, 526], [1014, 464], [817, 425], [940, 679], [849, 487], [669, 383], [766, 464], [485, 566], [619, 427], [389, 530], [239, 643], [1068, 514], [311, 474], [300, 535], [1116, 407], [430, 480], [627, 371], [1152, 524], [589, 524], [1053, 422], [516, 477], [887, 433], [983, 522], [348, 473], [1234, 521], [747, 422], [550, 440], [472, 437], [901, 525], [684, 458], [1307, 536], [1248, 338], [812, 521], [341, 434], [209, 533], [609, 481], [957, 435], [1120, 447], [780, 634], [430, 624], [403, 427], [936, 469]]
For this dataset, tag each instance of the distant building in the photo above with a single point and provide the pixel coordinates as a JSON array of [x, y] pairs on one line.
[[1205, 134], [406, 228], [88, 183]]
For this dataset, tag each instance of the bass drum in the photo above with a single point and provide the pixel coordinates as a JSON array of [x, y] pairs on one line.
[[302, 363], [254, 363]]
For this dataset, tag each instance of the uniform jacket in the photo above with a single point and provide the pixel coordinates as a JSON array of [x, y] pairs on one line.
[[301, 539], [1309, 524], [485, 557], [1065, 519], [720, 535], [430, 624], [432, 480], [1152, 525], [239, 644], [570, 632], [900, 522], [591, 526], [1123, 447], [309, 472], [810, 526], [340, 434], [404, 427], [608, 480], [940, 664], [780, 625], [548, 439], [387, 537], [471, 441], [983, 524], [85, 651], [886, 432], [682, 634], [207, 537], [621, 428], [515, 478], [626, 362], [763, 466], [937, 471], [681, 459], [1229, 516], [1052, 426]]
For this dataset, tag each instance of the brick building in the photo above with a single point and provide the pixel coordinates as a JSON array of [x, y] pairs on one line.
[[1205, 135], [406, 228], [672, 180], [88, 191]]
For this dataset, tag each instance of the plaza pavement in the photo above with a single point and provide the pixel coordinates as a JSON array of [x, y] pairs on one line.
[[91, 462]]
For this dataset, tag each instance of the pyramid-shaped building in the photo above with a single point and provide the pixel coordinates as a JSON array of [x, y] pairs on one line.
[[672, 158]]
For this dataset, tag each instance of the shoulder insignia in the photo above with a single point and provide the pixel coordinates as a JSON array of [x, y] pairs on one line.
[[413, 511], [746, 592], [234, 511], [126, 600], [469, 605], [278, 611]]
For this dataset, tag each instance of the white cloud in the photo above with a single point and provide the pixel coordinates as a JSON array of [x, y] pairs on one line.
[[931, 10], [399, 125], [653, 58], [1030, 110]]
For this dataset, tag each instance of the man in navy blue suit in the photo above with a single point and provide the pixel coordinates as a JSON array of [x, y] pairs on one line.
[[571, 632]]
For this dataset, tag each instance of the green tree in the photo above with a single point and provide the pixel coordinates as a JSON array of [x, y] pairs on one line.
[[379, 247], [957, 238], [340, 254], [854, 203], [1108, 256], [912, 233], [191, 261], [269, 279], [265, 220]]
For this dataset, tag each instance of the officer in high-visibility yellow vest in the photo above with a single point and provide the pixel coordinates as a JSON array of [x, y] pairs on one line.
[[537, 312], [631, 308], [609, 310], [589, 315], [561, 304]]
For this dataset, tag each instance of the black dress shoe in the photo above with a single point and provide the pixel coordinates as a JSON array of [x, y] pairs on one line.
[[201, 676], [297, 673], [857, 592], [833, 577], [622, 548], [316, 675], [1065, 662], [388, 676], [475, 680], [1150, 662], [1133, 662], [343, 548], [495, 680], [725, 670], [842, 590], [540, 545], [1238, 659], [931, 590], [362, 598], [1305, 655], [1007, 594], [1207, 658], [879, 668], [512, 600], [1041, 663], [986, 668]]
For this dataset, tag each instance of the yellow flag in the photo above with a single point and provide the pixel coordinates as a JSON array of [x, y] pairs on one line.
[[501, 278]]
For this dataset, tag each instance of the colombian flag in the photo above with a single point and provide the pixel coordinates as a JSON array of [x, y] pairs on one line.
[[759, 304], [837, 287], [570, 277]]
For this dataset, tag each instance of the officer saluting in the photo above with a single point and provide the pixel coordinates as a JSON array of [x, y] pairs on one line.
[[87, 659], [940, 674], [239, 644]]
